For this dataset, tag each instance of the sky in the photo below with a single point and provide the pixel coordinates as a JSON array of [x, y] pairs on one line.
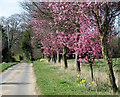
[[9, 7]]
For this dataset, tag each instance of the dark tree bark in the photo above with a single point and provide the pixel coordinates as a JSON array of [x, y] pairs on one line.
[[53, 57], [49, 58], [64, 56], [91, 68], [77, 63], [109, 64]]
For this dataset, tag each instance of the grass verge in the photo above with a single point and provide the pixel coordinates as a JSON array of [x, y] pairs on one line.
[[5, 66], [53, 80]]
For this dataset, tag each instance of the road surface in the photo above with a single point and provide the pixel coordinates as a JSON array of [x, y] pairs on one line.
[[18, 80]]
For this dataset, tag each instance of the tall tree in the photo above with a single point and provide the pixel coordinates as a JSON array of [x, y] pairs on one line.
[[102, 15], [26, 45]]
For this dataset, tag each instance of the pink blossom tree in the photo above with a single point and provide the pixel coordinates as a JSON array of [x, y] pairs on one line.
[[102, 15], [67, 18], [89, 48], [70, 18]]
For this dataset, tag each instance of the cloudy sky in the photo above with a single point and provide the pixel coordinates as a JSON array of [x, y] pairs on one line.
[[9, 7]]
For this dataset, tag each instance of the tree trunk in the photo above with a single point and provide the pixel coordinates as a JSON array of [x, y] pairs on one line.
[[64, 56], [58, 57], [42, 55], [108, 63], [77, 63], [53, 57], [91, 68], [77, 56], [49, 58], [104, 32]]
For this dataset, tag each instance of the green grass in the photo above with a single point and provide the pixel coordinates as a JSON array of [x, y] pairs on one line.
[[99, 65], [4, 66], [71, 60], [17, 58], [53, 80]]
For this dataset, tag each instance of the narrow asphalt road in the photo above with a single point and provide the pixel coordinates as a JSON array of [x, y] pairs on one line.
[[18, 80]]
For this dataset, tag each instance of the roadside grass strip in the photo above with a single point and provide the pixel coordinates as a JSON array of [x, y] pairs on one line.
[[53, 80], [5, 65]]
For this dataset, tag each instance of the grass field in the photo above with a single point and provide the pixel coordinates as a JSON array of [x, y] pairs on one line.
[[52, 79], [4, 66]]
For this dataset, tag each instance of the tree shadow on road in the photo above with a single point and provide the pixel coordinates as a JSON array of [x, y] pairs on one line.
[[14, 83]]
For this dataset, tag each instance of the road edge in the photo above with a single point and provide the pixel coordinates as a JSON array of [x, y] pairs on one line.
[[37, 91]]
